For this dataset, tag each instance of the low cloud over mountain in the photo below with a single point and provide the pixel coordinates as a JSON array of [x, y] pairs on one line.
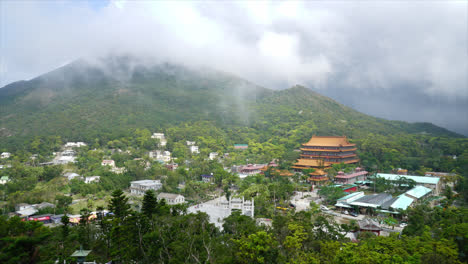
[[398, 60]]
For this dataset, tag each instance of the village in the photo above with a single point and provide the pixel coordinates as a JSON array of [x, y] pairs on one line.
[[326, 175]]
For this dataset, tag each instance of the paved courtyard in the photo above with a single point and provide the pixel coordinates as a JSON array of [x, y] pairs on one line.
[[213, 209]]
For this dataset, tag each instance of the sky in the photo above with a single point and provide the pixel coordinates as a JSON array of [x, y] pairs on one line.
[[400, 60]]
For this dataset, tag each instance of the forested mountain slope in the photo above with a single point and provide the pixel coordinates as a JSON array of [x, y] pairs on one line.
[[84, 100]]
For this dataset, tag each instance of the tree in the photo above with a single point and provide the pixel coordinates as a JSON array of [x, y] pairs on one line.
[[149, 203], [259, 247], [119, 204], [239, 225], [331, 193]]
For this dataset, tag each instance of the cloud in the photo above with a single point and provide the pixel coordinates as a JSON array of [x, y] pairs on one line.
[[361, 47]]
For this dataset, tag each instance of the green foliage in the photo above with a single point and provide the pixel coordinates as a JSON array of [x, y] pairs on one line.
[[331, 193], [119, 204]]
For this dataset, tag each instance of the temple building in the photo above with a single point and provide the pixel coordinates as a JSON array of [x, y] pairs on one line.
[[318, 177], [322, 152]]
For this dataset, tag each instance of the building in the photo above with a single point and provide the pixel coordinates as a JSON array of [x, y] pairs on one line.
[[369, 225], [4, 180], [207, 178], [140, 187], [213, 155], [247, 207], [75, 144], [22, 206], [321, 152], [5, 155], [43, 205], [162, 156], [190, 143], [110, 163], [71, 175], [429, 182], [419, 192], [401, 171], [247, 170], [318, 177], [194, 150], [171, 198], [65, 157], [273, 167], [161, 137], [267, 222], [350, 178], [172, 166], [241, 146], [91, 179]]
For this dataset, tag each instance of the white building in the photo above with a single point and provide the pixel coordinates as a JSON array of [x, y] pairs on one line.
[[213, 155], [91, 179], [108, 163], [140, 187], [194, 149], [71, 175], [4, 180], [247, 207], [161, 137], [75, 144], [5, 155], [190, 143], [65, 157], [164, 156], [171, 198]]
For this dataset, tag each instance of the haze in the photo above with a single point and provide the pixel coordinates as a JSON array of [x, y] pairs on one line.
[[403, 60]]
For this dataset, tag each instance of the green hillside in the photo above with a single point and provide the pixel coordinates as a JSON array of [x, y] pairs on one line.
[[82, 101]]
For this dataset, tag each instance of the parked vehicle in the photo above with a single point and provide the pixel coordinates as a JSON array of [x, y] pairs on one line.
[[354, 214], [403, 224]]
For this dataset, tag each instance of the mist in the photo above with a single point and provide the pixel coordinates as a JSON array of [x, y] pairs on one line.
[[396, 60]]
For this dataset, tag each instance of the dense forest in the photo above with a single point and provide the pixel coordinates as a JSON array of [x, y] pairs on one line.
[[167, 234]]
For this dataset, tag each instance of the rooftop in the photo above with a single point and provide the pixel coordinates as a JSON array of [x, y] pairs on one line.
[[168, 195], [351, 175], [369, 224], [402, 202], [329, 142], [351, 195], [418, 191], [373, 200], [417, 179], [311, 162]]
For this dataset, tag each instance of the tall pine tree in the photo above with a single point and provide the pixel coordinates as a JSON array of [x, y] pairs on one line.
[[149, 203], [119, 204]]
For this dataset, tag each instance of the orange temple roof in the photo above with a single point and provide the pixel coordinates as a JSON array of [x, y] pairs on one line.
[[312, 163], [318, 172], [316, 179], [328, 142]]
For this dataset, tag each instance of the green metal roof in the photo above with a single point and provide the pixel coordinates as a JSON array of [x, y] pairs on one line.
[[349, 196], [417, 179], [419, 191], [241, 145], [4, 178], [81, 253], [402, 202]]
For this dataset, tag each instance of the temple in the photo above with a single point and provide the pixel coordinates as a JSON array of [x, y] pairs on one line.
[[321, 152]]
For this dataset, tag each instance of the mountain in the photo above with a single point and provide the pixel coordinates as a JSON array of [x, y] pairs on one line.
[[85, 99]]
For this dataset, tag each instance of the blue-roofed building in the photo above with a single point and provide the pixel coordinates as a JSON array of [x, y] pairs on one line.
[[419, 192], [402, 202], [429, 182]]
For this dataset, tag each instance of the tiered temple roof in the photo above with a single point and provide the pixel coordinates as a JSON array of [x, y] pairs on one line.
[[321, 152], [318, 141]]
